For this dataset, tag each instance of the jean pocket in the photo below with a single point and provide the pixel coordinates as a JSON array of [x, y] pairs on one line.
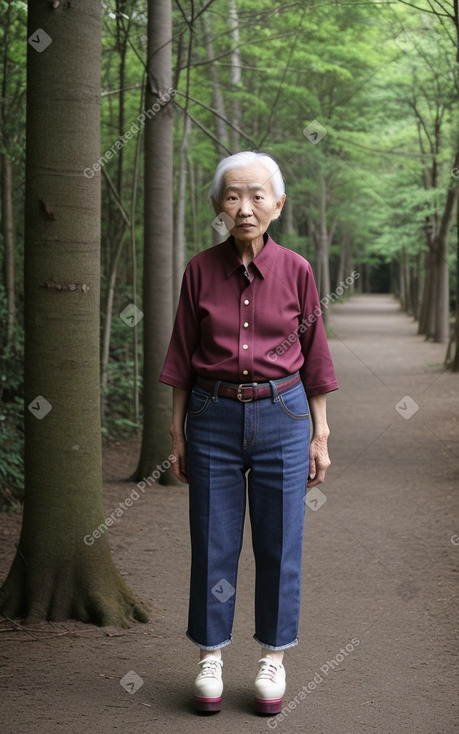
[[199, 402], [294, 403]]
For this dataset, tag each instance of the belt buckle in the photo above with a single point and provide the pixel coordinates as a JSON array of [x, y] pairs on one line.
[[240, 394]]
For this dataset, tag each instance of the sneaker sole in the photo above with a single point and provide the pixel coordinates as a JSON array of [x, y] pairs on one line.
[[207, 704], [268, 706]]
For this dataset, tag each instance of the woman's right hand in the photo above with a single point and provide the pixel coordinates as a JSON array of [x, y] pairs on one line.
[[179, 454], [177, 431]]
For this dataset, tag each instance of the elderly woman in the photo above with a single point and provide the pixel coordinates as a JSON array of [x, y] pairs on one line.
[[249, 363]]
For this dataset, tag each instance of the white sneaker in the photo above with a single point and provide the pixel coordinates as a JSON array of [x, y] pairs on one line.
[[269, 686], [208, 686]]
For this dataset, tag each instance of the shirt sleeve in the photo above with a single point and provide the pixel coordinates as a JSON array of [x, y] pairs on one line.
[[317, 373], [177, 369]]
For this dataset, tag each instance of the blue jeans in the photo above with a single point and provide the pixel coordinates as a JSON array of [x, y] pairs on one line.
[[225, 439]]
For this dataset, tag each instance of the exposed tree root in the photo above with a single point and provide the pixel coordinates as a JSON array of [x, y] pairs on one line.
[[93, 593]]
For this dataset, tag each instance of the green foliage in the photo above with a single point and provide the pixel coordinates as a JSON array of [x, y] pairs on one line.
[[119, 400], [119, 414], [11, 417]]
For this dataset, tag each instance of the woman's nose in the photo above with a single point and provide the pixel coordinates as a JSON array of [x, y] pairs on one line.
[[245, 208]]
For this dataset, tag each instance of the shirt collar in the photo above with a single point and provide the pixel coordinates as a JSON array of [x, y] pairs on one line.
[[263, 261]]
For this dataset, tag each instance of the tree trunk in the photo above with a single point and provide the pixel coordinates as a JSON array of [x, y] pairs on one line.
[[455, 362], [287, 219], [63, 567], [107, 327], [323, 242], [9, 243], [235, 76], [441, 334], [221, 131], [158, 239], [405, 283], [426, 290], [179, 255]]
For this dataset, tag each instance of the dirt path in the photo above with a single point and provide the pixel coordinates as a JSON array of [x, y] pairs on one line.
[[378, 644]]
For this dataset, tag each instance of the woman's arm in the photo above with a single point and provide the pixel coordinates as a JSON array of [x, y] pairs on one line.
[[177, 431], [319, 461]]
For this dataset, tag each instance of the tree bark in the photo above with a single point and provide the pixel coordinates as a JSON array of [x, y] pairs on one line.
[[323, 248], [455, 362], [221, 131], [179, 255], [235, 76], [158, 245], [63, 567], [442, 246]]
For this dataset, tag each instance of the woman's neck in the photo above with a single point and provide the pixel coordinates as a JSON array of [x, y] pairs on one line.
[[249, 250]]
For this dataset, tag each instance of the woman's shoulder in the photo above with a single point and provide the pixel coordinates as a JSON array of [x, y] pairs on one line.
[[292, 258], [206, 257]]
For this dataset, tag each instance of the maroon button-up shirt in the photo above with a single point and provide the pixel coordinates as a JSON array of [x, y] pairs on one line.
[[251, 324]]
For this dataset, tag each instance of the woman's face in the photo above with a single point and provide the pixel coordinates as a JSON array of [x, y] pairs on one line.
[[248, 198]]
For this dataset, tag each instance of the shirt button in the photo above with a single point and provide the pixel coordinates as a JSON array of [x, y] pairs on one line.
[[245, 346], [246, 325], [246, 302], [245, 372]]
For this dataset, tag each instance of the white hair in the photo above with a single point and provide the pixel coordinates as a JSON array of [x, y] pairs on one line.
[[243, 160]]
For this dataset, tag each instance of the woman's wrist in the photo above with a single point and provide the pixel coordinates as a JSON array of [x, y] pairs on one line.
[[321, 433], [177, 431]]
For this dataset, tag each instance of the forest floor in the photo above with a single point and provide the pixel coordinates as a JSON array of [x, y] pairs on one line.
[[378, 649]]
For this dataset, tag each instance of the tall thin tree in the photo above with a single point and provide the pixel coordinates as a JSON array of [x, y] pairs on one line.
[[158, 245]]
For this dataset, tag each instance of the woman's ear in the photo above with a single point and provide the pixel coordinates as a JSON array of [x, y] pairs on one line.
[[279, 206]]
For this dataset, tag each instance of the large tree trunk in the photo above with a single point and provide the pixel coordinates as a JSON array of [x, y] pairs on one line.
[[63, 567], [9, 247], [158, 239]]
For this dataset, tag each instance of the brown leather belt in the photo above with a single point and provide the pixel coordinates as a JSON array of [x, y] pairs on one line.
[[248, 391]]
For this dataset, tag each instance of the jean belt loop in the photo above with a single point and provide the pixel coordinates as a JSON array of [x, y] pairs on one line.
[[275, 394], [215, 394]]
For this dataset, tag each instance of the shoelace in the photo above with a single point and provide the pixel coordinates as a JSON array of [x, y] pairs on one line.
[[209, 667], [268, 669]]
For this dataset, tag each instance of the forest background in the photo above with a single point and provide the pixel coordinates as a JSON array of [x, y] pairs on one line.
[[356, 100]]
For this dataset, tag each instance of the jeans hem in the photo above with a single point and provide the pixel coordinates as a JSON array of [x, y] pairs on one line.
[[210, 647], [276, 647]]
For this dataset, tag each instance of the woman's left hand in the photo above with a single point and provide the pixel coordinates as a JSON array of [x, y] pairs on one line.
[[319, 460]]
